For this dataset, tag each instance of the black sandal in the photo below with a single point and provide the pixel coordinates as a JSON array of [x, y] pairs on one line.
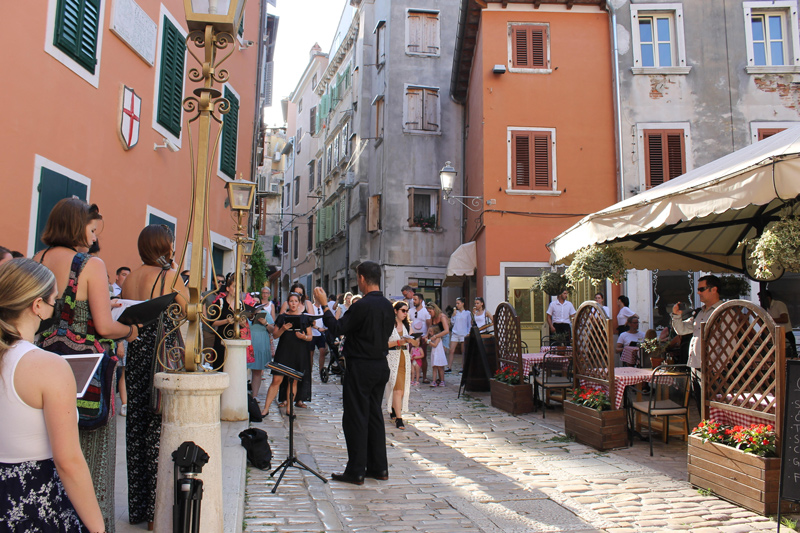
[[393, 415], [399, 424]]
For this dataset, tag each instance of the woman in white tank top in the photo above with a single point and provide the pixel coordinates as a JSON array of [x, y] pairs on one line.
[[479, 312], [42, 469]]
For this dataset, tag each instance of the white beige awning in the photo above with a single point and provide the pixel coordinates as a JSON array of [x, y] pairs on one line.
[[696, 221], [463, 262]]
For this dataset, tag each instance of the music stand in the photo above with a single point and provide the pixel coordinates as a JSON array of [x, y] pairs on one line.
[[291, 460]]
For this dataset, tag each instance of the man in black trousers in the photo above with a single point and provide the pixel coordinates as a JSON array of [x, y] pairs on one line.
[[367, 325]]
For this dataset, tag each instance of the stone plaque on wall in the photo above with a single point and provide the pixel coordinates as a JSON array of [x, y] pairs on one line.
[[130, 23]]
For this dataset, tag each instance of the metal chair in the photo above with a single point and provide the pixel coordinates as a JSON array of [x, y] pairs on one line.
[[555, 373], [668, 397]]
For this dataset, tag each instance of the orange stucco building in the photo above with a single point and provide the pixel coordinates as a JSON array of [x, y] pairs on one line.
[[65, 130], [537, 81]]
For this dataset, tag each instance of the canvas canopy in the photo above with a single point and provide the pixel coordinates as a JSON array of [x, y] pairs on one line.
[[463, 262], [698, 220]]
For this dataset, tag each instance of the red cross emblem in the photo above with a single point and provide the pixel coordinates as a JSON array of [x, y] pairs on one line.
[[129, 118]]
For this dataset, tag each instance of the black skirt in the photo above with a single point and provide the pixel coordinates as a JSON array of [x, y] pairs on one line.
[[32, 498]]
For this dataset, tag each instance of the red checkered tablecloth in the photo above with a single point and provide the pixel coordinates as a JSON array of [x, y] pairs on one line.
[[734, 418], [623, 377], [630, 355], [531, 360]]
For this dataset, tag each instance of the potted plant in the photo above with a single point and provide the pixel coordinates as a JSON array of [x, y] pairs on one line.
[[733, 287], [589, 418], [737, 463], [552, 283], [777, 249], [597, 264], [654, 349], [509, 391], [425, 223]]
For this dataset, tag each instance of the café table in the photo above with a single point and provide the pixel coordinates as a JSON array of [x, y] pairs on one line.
[[531, 361], [736, 418], [623, 377]]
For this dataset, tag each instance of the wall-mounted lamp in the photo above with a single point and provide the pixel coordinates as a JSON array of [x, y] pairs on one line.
[[499, 69], [447, 177], [167, 144]]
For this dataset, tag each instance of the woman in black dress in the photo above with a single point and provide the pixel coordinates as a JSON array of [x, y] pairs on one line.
[[292, 348]]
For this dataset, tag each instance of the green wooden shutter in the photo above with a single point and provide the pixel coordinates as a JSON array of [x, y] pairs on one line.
[[230, 123], [77, 26], [53, 187], [170, 96]]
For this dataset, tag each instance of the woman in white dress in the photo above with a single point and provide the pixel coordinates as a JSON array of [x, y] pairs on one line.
[[399, 365]]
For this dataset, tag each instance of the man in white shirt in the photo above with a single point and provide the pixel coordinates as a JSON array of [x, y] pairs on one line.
[[122, 273], [559, 315], [630, 339], [780, 314], [420, 320]]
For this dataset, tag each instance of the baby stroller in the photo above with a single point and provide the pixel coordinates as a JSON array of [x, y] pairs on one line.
[[335, 364]]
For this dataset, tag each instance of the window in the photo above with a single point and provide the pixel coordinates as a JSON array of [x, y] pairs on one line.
[[772, 36], [765, 133], [329, 158], [312, 121], [344, 140], [285, 243], [658, 43], [529, 48], [300, 106], [532, 160], [295, 242], [299, 137], [230, 131], [762, 130], [380, 43], [287, 194], [76, 31], [664, 156], [423, 208], [170, 87], [296, 190], [55, 184], [421, 110], [310, 234], [319, 172], [422, 33], [311, 165], [313, 81]]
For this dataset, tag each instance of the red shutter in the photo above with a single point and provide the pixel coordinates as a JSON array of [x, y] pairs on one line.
[[537, 48], [521, 159], [541, 151], [520, 46], [763, 133], [664, 156]]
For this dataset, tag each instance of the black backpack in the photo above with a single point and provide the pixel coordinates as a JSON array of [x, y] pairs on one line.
[[253, 410], [256, 442]]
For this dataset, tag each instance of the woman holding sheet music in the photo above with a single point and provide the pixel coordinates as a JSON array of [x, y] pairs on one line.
[[304, 388], [293, 331], [82, 323], [156, 277], [44, 479]]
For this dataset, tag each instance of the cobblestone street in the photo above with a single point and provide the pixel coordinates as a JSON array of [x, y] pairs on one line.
[[462, 465]]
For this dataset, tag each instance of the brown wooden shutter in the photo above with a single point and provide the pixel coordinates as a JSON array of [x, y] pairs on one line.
[[431, 33], [537, 48], [521, 160], [312, 120], [373, 213], [520, 47], [415, 32], [664, 156], [430, 109], [542, 163], [763, 133], [411, 207], [414, 108]]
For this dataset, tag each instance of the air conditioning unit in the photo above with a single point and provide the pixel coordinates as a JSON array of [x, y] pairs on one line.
[[263, 183]]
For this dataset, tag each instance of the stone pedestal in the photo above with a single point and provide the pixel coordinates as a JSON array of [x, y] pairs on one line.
[[191, 413], [233, 407]]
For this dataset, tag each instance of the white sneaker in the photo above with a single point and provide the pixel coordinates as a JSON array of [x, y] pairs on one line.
[[123, 411]]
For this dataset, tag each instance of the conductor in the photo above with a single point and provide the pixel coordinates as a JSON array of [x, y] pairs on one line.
[[367, 325]]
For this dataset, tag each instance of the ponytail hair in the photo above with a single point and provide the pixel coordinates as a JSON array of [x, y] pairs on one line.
[[22, 281]]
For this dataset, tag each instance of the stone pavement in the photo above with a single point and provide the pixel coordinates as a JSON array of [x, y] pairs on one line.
[[462, 465]]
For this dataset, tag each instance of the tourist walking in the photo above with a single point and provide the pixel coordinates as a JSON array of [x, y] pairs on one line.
[[462, 321], [399, 360]]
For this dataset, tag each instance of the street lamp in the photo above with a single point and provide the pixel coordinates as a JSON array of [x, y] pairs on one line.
[[212, 25], [240, 197], [447, 176]]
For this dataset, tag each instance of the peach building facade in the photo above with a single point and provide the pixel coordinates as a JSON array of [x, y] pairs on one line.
[[97, 84]]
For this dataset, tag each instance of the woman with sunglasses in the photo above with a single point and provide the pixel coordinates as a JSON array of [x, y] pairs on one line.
[[399, 365]]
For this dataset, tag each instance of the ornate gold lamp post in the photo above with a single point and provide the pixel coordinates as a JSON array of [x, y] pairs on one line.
[[240, 197], [212, 25]]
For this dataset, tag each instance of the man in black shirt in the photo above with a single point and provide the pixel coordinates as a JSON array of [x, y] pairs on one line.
[[367, 325]]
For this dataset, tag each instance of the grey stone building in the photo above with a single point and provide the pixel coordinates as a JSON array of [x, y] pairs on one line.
[[697, 80]]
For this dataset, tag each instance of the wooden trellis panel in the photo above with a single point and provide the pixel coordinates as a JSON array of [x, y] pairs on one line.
[[507, 338], [593, 347], [744, 361]]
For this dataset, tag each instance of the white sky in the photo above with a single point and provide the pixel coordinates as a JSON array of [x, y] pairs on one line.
[[302, 23]]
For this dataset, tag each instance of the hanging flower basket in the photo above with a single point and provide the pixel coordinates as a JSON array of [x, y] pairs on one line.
[[597, 264], [552, 283], [732, 287], [778, 246]]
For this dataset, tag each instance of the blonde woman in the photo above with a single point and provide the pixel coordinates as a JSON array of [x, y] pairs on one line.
[[44, 478], [439, 329]]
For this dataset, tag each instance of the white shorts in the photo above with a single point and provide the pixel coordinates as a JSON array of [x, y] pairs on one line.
[[456, 338]]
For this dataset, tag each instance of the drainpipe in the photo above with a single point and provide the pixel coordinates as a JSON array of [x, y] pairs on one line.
[[617, 104]]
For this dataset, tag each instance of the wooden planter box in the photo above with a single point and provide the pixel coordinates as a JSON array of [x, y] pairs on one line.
[[603, 430], [515, 399], [741, 478]]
